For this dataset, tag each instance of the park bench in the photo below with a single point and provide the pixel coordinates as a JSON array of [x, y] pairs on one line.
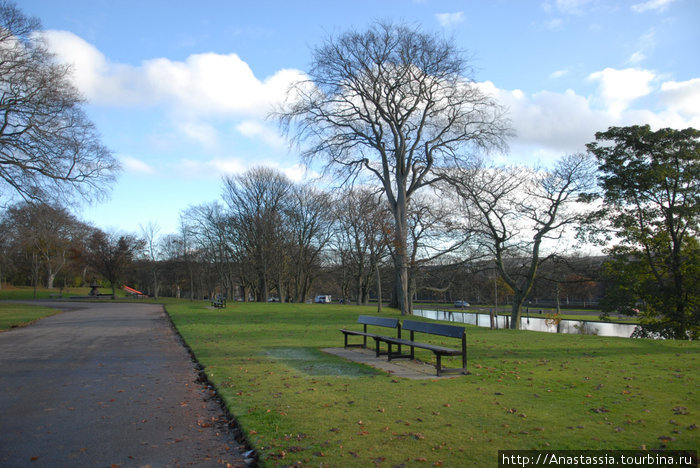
[[218, 302], [426, 328], [366, 320]]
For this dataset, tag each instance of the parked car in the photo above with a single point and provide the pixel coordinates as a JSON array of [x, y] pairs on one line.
[[461, 304], [323, 299]]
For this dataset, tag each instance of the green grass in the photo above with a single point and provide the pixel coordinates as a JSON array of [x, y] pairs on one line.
[[19, 315], [27, 292], [527, 390]]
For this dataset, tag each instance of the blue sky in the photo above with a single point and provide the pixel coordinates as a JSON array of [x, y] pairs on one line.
[[179, 91]]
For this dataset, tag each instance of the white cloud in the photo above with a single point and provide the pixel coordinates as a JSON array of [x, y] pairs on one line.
[[132, 164], [549, 124], [555, 23], [645, 45], [295, 173], [97, 79], [450, 20], [558, 74], [214, 168], [205, 89], [217, 84], [656, 5], [204, 84], [618, 88], [569, 7], [255, 129], [636, 57], [200, 132], [683, 97], [219, 167]]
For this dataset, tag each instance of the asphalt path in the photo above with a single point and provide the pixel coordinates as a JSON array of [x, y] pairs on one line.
[[104, 385]]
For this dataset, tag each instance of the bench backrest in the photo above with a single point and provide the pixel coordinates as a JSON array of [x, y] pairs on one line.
[[378, 321], [434, 328]]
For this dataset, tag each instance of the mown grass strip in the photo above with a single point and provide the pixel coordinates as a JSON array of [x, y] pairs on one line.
[[19, 315], [527, 391]]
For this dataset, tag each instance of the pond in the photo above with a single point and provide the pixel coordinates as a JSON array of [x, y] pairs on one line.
[[532, 323]]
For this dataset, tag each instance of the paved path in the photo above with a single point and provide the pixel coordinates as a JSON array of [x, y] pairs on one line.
[[106, 384]]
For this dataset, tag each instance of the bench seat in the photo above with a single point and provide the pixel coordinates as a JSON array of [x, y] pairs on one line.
[[412, 326], [366, 320]]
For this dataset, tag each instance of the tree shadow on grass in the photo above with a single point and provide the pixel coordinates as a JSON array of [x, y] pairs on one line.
[[312, 361]]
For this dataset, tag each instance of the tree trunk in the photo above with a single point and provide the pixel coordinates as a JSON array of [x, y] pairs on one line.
[[516, 310], [401, 253], [379, 289], [155, 284]]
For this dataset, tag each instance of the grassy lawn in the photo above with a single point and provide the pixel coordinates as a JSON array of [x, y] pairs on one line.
[[527, 390], [27, 292], [18, 315]]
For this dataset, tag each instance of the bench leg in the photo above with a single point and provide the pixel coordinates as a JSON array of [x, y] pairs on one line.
[[439, 364]]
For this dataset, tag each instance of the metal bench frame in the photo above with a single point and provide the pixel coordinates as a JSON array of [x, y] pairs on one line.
[[413, 326], [366, 320]]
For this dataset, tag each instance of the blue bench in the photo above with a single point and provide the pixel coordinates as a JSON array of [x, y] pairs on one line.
[[451, 331], [366, 320]]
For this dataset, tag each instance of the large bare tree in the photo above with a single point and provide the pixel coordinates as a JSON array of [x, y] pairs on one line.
[[516, 211], [362, 223], [256, 202], [49, 149], [433, 235], [394, 103], [309, 228]]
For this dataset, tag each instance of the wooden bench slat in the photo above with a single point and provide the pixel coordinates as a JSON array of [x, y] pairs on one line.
[[378, 321], [453, 331], [437, 329], [428, 328], [365, 320], [428, 346]]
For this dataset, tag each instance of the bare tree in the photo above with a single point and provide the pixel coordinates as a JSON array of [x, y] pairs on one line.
[[394, 103], [432, 235], [362, 227], [308, 219], [48, 146], [152, 251], [213, 235], [256, 206], [514, 210]]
